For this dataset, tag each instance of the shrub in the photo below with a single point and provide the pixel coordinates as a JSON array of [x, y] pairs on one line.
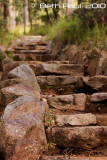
[[76, 31]]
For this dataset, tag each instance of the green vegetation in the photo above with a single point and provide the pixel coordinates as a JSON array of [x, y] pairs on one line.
[[49, 119], [6, 37], [67, 31], [73, 31], [85, 27], [39, 30]]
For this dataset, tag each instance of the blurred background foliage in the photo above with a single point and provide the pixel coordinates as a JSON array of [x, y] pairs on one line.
[[76, 26]]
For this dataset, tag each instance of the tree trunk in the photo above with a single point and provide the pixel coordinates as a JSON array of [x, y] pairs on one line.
[[6, 13], [12, 21], [79, 2], [9, 15], [25, 14], [46, 10], [102, 14], [30, 16]]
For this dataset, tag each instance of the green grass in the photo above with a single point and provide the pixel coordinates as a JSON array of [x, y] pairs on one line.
[[73, 31], [66, 31], [39, 30], [6, 37]]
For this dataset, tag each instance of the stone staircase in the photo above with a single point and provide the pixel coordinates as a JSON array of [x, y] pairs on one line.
[[77, 117], [76, 120], [31, 48]]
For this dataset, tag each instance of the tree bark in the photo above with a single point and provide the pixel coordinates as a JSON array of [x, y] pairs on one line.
[[25, 14], [46, 10], [79, 2], [12, 21], [30, 16], [9, 15], [6, 13], [102, 14]]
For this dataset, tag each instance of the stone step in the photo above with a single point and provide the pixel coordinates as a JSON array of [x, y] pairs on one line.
[[9, 66], [29, 39], [74, 102], [78, 102], [75, 119], [99, 97], [60, 84], [32, 38], [39, 62], [86, 138], [97, 103], [25, 44], [57, 80], [72, 158], [34, 57], [80, 119], [31, 47], [60, 69], [30, 51]]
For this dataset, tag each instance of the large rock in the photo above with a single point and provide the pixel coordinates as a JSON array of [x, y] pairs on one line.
[[11, 82], [74, 54], [98, 82], [102, 66], [9, 94], [89, 137], [27, 128], [76, 119], [61, 69], [8, 66], [98, 97], [25, 72], [72, 102], [93, 61], [26, 150], [97, 62], [24, 105]]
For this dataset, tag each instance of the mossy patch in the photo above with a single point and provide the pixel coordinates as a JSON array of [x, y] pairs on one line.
[[60, 89]]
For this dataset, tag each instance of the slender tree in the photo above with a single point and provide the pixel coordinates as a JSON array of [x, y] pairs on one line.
[[25, 14], [102, 14], [6, 13], [12, 21], [30, 14], [9, 14]]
